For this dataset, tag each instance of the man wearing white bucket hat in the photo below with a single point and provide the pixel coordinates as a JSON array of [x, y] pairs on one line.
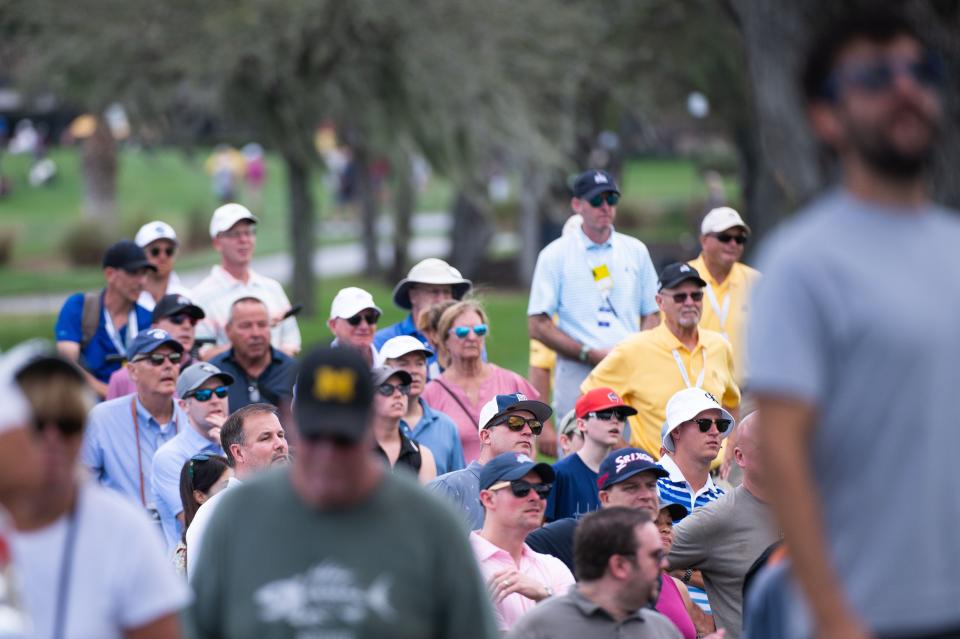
[[429, 281]]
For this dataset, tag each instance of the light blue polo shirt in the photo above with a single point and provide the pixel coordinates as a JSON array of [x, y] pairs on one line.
[[438, 432], [165, 481], [563, 284], [110, 445]]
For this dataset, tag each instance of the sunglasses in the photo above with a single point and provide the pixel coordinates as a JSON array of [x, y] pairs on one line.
[[680, 298], [204, 394], [878, 76], [516, 424], [608, 415], [202, 457], [522, 488], [387, 389], [369, 318], [725, 238], [704, 424], [65, 426], [462, 331], [157, 358], [610, 198], [156, 251], [180, 318]]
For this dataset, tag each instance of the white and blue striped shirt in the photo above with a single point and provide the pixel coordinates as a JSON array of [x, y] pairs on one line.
[[675, 489]]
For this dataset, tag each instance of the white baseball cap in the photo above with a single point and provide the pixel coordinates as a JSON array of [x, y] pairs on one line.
[[350, 301], [501, 404], [227, 215], [430, 271], [402, 345], [687, 404], [153, 231], [720, 219]]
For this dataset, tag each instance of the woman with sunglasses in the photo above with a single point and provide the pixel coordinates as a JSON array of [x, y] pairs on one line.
[[88, 562], [467, 381], [201, 477], [392, 389]]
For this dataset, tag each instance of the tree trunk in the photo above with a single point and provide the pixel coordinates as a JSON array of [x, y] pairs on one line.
[[531, 197], [472, 231], [369, 210], [404, 201], [301, 231], [99, 161]]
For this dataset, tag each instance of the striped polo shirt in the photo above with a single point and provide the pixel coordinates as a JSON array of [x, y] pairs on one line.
[[675, 489]]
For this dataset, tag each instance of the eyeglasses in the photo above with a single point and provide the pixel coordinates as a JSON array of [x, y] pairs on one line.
[[202, 457], [238, 233], [724, 238], [704, 424], [522, 488], [157, 358], [156, 251], [64, 425], [608, 415], [370, 318], [516, 424], [180, 318], [610, 198], [680, 298], [878, 76], [387, 389], [462, 331], [204, 394]]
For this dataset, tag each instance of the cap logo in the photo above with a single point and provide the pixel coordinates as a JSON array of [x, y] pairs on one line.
[[158, 333], [337, 384], [182, 300], [613, 397], [159, 228], [710, 397], [684, 269], [523, 459], [624, 460], [600, 178], [521, 397]]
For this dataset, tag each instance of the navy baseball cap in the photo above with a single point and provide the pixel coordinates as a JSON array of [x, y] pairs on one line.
[[172, 304], [150, 340], [513, 466], [677, 511], [500, 405], [677, 273], [127, 255], [590, 183], [623, 464]]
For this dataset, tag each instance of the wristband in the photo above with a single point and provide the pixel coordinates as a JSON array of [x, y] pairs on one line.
[[584, 351], [688, 573]]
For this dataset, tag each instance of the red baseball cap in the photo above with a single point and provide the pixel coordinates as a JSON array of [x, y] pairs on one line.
[[602, 398]]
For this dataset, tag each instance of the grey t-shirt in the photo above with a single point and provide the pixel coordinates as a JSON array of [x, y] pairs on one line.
[[462, 489], [574, 616], [722, 540], [397, 565], [858, 313]]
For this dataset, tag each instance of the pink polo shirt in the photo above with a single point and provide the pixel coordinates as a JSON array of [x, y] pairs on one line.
[[546, 569]]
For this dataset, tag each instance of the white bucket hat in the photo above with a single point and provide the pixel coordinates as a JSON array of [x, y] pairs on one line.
[[684, 406], [430, 271]]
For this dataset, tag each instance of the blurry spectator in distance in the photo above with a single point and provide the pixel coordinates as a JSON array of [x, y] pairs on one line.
[[159, 241]]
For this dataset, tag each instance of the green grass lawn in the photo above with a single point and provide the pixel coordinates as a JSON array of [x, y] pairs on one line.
[[506, 344]]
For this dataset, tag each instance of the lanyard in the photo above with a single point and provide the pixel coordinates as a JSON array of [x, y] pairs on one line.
[[720, 313], [601, 276], [683, 369], [114, 335], [136, 430]]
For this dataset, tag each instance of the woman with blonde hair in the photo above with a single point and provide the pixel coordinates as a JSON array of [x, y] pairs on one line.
[[468, 382]]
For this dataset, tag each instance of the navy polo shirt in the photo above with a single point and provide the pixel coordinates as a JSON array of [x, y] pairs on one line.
[[574, 491], [274, 385], [69, 328]]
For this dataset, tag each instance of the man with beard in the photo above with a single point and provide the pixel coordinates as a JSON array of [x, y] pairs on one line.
[[854, 342]]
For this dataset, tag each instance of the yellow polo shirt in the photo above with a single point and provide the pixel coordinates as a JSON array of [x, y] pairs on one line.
[[643, 371], [542, 357], [737, 288]]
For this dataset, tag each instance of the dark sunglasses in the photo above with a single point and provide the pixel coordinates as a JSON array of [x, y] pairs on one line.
[[680, 298], [369, 318], [204, 394], [704, 424], [878, 76], [608, 415], [724, 238], [157, 358], [202, 457], [479, 330], [516, 424], [610, 198], [65, 426], [180, 318], [387, 389], [156, 251], [522, 488]]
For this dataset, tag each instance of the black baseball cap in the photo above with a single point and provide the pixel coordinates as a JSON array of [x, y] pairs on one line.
[[590, 183], [334, 394], [127, 255], [173, 304], [675, 274]]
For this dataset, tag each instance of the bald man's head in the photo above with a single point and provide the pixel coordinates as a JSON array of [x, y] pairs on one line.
[[746, 450]]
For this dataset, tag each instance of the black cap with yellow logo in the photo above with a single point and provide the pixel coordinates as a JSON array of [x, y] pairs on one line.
[[334, 394]]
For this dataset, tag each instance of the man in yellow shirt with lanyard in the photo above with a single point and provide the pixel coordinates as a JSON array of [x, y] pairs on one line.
[[647, 368], [723, 235]]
